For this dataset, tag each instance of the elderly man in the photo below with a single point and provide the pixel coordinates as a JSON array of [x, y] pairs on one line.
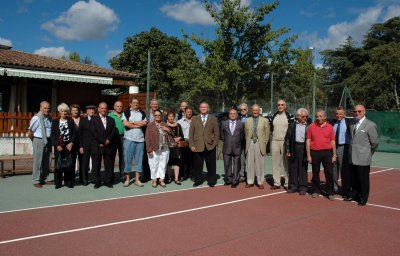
[[135, 121], [102, 130], [363, 145], [186, 152], [295, 146], [321, 148], [182, 109], [118, 140], [84, 144], [154, 105], [257, 132], [232, 134], [341, 128], [40, 133], [279, 123], [203, 139], [242, 116]]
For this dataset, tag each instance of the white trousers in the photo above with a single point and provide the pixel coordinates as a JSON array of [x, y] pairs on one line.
[[255, 164], [278, 156], [158, 164]]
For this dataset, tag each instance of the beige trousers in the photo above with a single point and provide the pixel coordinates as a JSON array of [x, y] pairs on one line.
[[278, 155], [255, 164]]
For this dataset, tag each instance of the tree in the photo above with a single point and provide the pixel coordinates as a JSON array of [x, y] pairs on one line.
[[172, 60], [74, 56], [383, 33], [245, 50]]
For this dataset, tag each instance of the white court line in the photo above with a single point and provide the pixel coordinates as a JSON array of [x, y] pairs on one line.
[[138, 219], [103, 200], [133, 196]]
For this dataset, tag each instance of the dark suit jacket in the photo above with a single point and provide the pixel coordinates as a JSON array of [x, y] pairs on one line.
[[84, 133], [203, 137], [233, 144], [99, 135]]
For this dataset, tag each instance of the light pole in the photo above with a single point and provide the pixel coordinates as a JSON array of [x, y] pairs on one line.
[[313, 84], [272, 91]]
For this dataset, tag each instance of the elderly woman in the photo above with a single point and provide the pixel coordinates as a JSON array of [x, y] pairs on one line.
[[76, 117], [175, 154], [62, 137], [157, 133]]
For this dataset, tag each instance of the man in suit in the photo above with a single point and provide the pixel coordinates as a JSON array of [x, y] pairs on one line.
[[102, 129], [257, 135], [341, 128], [84, 144], [232, 134], [182, 110], [242, 116], [203, 139], [364, 143]]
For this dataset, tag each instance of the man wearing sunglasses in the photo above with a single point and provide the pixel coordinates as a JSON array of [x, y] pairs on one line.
[[279, 123], [364, 142], [295, 146]]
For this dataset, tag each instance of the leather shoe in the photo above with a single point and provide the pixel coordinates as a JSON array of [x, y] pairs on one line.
[[196, 184], [37, 185], [249, 185], [261, 186], [302, 193], [361, 203], [211, 185], [227, 183], [234, 185], [109, 185], [97, 185], [290, 191], [347, 199], [274, 187], [58, 186]]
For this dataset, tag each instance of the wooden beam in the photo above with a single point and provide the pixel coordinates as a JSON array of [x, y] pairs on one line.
[[123, 82]]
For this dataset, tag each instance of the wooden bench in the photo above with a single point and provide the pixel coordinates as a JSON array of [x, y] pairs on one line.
[[13, 158]]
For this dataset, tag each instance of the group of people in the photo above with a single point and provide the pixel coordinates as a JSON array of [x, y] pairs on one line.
[[174, 146]]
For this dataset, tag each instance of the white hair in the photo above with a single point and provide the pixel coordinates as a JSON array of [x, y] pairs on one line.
[[243, 105], [62, 107], [301, 110]]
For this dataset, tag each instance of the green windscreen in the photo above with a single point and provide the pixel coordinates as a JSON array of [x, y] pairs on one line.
[[389, 130]]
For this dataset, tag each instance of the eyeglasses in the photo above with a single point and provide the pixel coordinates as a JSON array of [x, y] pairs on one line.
[[357, 111], [280, 105], [303, 116], [243, 109]]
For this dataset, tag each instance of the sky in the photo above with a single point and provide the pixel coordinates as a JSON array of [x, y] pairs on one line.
[[98, 28]]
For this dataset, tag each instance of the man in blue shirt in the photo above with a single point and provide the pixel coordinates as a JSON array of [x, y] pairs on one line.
[[39, 133], [342, 136]]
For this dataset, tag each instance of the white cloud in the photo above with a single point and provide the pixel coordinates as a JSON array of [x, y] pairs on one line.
[[338, 33], [83, 20], [5, 41], [112, 53], [191, 12], [55, 52], [392, 11]]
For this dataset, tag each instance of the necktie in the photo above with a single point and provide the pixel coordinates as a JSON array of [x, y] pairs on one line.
[[104, 120], [203, 118], [356, 127], [255, 123], [337, 133], [232, 127]]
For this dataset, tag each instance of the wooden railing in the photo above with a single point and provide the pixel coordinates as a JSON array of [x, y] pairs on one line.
[[15, 124]]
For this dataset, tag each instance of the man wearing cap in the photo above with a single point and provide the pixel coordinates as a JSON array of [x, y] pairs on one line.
[[118, 140], [39, 133], [84, 144]]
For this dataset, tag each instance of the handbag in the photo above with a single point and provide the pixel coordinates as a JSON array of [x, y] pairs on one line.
[[171, 141], [64, 161], [183, 144]]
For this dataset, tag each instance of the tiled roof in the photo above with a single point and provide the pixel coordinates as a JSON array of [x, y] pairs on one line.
[[23, 60]]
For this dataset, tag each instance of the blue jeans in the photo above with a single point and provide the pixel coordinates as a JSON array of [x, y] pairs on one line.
[[133, 150]]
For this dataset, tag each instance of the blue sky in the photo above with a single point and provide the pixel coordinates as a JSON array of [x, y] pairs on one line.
[[98, 28]]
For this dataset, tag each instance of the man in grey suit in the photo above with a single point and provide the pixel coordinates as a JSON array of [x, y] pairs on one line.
[[363, 145], [232, 133]]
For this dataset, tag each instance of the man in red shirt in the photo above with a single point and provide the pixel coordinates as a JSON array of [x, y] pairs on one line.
[[321, 148]]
